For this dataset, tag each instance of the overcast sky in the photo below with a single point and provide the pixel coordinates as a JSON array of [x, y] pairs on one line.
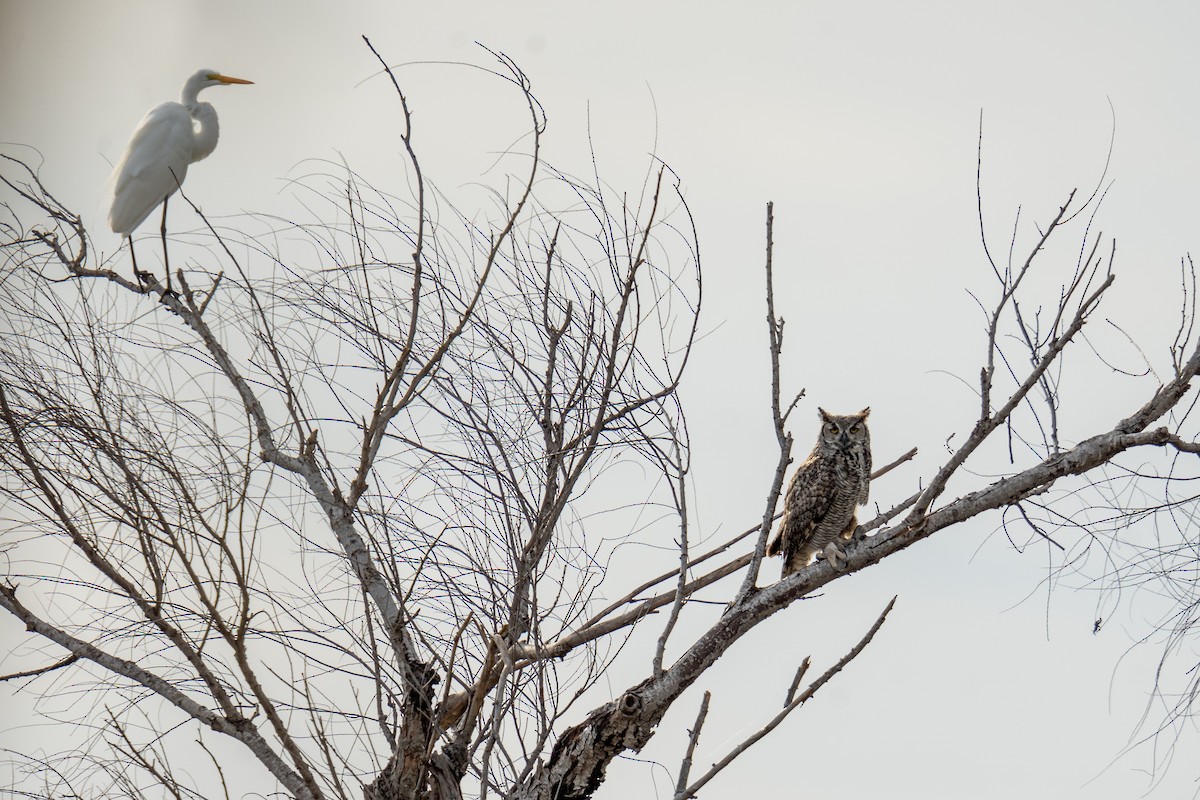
[[860, 121]]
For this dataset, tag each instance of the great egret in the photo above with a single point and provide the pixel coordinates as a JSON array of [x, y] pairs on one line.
[[157, 158]]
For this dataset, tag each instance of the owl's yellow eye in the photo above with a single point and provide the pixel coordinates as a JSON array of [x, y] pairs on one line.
[[855, 428], [831, 428]]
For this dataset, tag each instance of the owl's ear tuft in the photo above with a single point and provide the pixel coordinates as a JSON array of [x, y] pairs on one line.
[[866, 412], [823, 413]]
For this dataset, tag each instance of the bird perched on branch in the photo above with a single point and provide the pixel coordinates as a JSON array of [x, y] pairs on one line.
[[169, 138], [819, 507]]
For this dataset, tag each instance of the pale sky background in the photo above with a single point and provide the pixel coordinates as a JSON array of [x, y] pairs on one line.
[[860, 121]]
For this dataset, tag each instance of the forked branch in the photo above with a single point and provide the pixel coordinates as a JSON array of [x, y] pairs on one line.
[[792, 705]]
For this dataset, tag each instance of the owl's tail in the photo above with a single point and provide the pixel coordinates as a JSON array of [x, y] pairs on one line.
[[775, 546]]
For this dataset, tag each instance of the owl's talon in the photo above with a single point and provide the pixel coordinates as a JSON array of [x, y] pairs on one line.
[[835, 556]]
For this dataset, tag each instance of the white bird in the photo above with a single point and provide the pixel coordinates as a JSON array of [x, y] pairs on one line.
[[156, 161]]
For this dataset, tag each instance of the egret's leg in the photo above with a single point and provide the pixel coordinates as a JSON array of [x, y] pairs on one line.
[[142, 277], [163, 233]]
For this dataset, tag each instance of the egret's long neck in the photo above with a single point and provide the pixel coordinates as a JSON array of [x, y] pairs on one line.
[[205, 139]]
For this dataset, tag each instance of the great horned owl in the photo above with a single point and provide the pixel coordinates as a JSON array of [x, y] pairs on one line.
[[818, 510]]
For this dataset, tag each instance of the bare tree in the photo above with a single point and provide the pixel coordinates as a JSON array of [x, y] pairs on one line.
[[355, 521]]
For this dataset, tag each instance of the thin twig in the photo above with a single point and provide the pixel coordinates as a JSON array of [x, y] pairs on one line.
[[800, 673], [778, 419], [685, 767], [909, 456], [795, 703], [34, 673], [681, 586]]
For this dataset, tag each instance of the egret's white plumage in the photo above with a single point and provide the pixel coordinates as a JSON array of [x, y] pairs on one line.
[[168, 139]]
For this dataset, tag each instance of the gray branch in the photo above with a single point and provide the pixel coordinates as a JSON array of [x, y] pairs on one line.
[[241, 729]]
